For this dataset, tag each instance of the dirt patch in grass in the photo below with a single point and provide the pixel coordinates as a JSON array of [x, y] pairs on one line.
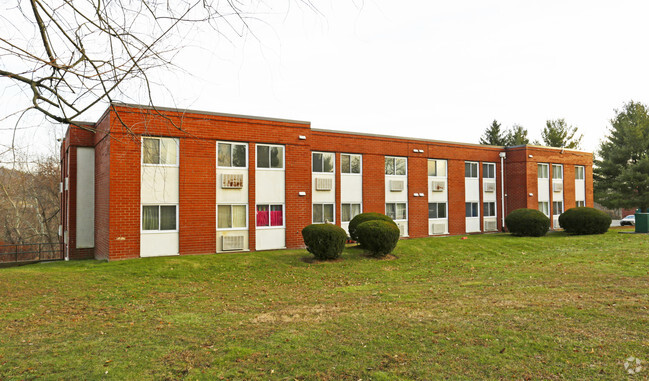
[[309, 314]]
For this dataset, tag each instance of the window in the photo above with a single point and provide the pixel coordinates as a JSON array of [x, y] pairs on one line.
[[544, 206], [579, 172], [472, 209], [489, 209], [231, 155], [489, 170], [396, 211], [159, 151], [557, 208], [436, 168], [542, 171], [323, 162], [350, 211], [323, 213], [557, 172], [270, 156], [350, 163], [581, 203], [437, 210], [395, 165], [470, 169], [270, 215], [231, 216], [159, 217]]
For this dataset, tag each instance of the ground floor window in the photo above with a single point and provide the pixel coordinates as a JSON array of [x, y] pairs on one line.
[[323, 213], [544, 206], [350, 211], [581, 203], [270, 215], [231, 216], [472, 209], [159, 217], [437, 210], [396, 211], [489, 209], [557, 207]]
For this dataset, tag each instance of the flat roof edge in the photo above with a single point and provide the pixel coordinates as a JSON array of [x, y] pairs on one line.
[[200, 112]]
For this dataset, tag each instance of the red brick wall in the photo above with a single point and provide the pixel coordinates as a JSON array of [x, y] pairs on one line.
[[102, 189]]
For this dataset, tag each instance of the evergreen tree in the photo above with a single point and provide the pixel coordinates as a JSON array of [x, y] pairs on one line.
[[557, 133], [493, 135], [621, 171], [516, 136]]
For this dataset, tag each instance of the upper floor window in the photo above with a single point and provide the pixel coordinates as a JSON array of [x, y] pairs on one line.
[[269, 156], [579, 172], [488, 170], [557, 172], [395, 165], [350, 163], [159, 151], [470, 169], [543, 171], [436, 168], [231, 155], [323, 162]]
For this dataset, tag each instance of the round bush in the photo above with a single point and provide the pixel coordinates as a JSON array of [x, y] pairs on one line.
[[324, 241], [378, 237], [584, 220], [527, 223], [360, 218]]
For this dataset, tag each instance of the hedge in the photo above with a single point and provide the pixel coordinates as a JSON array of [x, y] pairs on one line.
[[527, 223], [324, 241], [363, 217], [379, 237], [584, 220]]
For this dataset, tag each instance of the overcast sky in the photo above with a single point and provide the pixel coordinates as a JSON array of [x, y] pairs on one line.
[[428, 69]]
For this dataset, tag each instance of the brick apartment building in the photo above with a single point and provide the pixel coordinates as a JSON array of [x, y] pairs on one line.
[[147, 182]]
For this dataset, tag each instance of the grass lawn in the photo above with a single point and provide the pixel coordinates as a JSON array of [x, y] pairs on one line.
[[488, 307]]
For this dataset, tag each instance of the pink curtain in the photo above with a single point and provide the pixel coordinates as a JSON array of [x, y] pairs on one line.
[[276, 218], [262, 217]]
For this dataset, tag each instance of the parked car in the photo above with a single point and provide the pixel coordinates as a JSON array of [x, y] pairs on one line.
[[628, 220]]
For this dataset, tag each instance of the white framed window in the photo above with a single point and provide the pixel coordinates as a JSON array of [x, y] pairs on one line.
[[323, 162], [269, 215], [436, 168], [270, 156], [489, 209], [557, 172], [470, 169], [350, 163], [396, 166], [436, 210], [160, 218], [396, 210], [580, 204], [323, 213], [579, 172], [557, 208], [159, 151], [472, 209], [542, 170], [349, 211], [233, 216], [544, 206], [488, 170], [232, 155]]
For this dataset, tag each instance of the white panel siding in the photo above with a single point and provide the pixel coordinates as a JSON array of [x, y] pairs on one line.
[[85, 197], [231, 195], [580, 190], [351, 189], [232, 233], [543, 190], [400, 196], [159, 184], [158, 244], [323, 196], [270, 186], [271, 238]]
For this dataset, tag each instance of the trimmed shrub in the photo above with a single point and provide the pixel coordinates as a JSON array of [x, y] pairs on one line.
[[324, 241], [379, 237], [359, 219], [527, 223], [584, 220]]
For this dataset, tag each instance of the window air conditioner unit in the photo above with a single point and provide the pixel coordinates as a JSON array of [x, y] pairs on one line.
[[232, 181], [437, 186], [438, 228], [324, 184], [402, 228], [396, 185], [557, 187], [489, 187], [490, 226], [232, 242]]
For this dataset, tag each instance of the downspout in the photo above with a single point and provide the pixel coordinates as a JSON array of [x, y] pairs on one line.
[[502, 155]]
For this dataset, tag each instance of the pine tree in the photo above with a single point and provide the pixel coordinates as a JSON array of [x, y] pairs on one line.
[[493, 135], [516, 136], [557, 133]]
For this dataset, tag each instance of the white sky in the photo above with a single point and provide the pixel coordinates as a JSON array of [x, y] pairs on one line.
[[430, 69]]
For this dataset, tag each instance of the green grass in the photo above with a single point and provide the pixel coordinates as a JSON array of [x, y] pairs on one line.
[[489, 307]]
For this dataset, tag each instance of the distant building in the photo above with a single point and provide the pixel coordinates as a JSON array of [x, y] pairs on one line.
[[147, 182]]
